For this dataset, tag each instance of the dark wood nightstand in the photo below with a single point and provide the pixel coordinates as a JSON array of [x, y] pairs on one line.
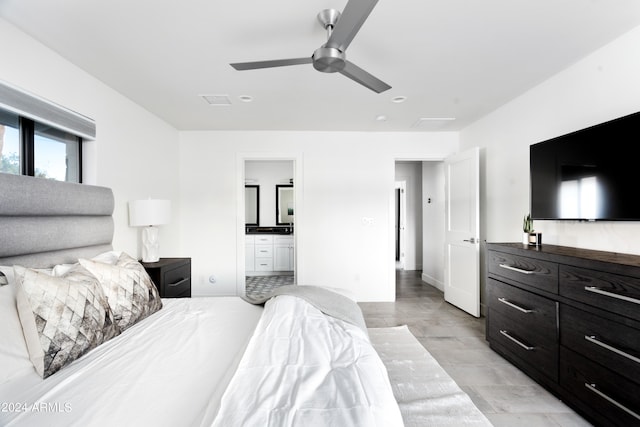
[[172, 276]]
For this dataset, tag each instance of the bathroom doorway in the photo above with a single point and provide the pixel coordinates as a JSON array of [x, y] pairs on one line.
[[269, 232]]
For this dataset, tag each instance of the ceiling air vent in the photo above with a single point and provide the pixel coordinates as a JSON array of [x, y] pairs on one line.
[[223, 100], [432, 123]]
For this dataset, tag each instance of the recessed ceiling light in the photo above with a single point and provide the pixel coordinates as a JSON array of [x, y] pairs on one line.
[[398, 99], [245, 98], [222, 100], [381, 118]]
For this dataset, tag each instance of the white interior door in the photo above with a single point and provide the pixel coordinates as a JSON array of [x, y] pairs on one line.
[[462, 222]]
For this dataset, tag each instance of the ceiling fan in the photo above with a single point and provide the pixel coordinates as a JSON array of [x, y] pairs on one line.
[[330, 57]]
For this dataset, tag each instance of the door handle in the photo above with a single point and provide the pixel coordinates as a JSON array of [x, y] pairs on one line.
[[471, 240]]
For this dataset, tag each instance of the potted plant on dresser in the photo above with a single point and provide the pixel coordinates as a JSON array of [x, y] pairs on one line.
[[527, 229], [529, 236]]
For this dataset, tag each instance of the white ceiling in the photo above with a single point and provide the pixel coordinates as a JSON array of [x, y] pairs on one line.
[[450, 58]]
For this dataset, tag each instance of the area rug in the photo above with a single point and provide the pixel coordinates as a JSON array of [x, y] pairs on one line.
[[260, 286], [426, 394]]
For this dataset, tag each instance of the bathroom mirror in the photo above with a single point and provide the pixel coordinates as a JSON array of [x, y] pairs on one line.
[[284, 204], [252, 205]]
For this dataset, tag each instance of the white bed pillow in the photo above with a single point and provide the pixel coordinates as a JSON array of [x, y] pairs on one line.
[[62, 317], [14, 356], [129, 289], [59, 270], [110, 257]]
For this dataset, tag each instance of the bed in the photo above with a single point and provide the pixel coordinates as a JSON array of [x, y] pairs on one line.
[[302, 357]]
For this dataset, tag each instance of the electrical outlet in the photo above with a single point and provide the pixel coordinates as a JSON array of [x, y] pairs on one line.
[[367, 221]]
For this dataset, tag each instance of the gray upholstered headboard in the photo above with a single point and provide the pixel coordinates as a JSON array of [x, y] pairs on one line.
[[45, 222]]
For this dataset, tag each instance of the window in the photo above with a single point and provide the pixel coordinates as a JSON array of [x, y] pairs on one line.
[[56, 154], [9, 143], [32, 148]]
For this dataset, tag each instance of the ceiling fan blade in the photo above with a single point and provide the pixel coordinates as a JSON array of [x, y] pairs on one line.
[[359, 75], [242, 66], [351, 19]]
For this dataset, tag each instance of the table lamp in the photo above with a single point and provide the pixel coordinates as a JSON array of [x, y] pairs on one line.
[[148, 214]]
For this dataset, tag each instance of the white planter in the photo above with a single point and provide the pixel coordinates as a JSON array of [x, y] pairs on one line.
[[535, 239]]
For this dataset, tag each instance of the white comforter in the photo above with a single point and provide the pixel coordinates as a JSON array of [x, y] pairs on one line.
[[303, 368]]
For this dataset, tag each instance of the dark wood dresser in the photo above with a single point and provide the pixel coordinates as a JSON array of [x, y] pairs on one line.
[[570, 319], [172, 276]]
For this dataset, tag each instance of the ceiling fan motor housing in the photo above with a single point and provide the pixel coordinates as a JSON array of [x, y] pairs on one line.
[[328, 59]]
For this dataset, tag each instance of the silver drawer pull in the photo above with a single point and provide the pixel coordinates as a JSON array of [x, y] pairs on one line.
[[520, 343], [593, 339], [597, 290], [517, 307], [519, 270], [178, 283], [592, 387]]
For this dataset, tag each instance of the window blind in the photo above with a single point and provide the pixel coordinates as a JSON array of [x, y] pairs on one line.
[[44, 111]]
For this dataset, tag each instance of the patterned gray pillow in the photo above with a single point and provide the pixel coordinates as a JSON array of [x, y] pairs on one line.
[[3, 279], [62, 317], [127, 261], [129, 290]]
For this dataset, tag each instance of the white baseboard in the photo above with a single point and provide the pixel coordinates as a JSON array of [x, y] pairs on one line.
[[433, 282]]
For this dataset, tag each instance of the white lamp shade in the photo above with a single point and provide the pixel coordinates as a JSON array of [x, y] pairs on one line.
[[149, 212]]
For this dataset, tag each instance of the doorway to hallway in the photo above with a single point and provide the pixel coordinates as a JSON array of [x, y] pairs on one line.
[[421, 218]]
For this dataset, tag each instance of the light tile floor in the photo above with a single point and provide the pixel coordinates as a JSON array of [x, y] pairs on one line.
[[502, 392], [259, 286]]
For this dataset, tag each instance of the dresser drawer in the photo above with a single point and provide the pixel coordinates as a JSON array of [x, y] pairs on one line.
[[611, 292], [264, 240], [283, 240], [172, 276], [177, 282], [525, 343], [610, 398], [264, 251], [609, 343], [524, 307], [264, 264], [529, 271]]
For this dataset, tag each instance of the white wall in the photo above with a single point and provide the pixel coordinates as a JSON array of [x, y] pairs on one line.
[[433, 223], [602, 86], [344, 217], [267, 175], [134, 152]]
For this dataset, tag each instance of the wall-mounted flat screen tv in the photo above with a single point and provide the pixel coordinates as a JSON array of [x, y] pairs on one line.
[[590, 174]]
